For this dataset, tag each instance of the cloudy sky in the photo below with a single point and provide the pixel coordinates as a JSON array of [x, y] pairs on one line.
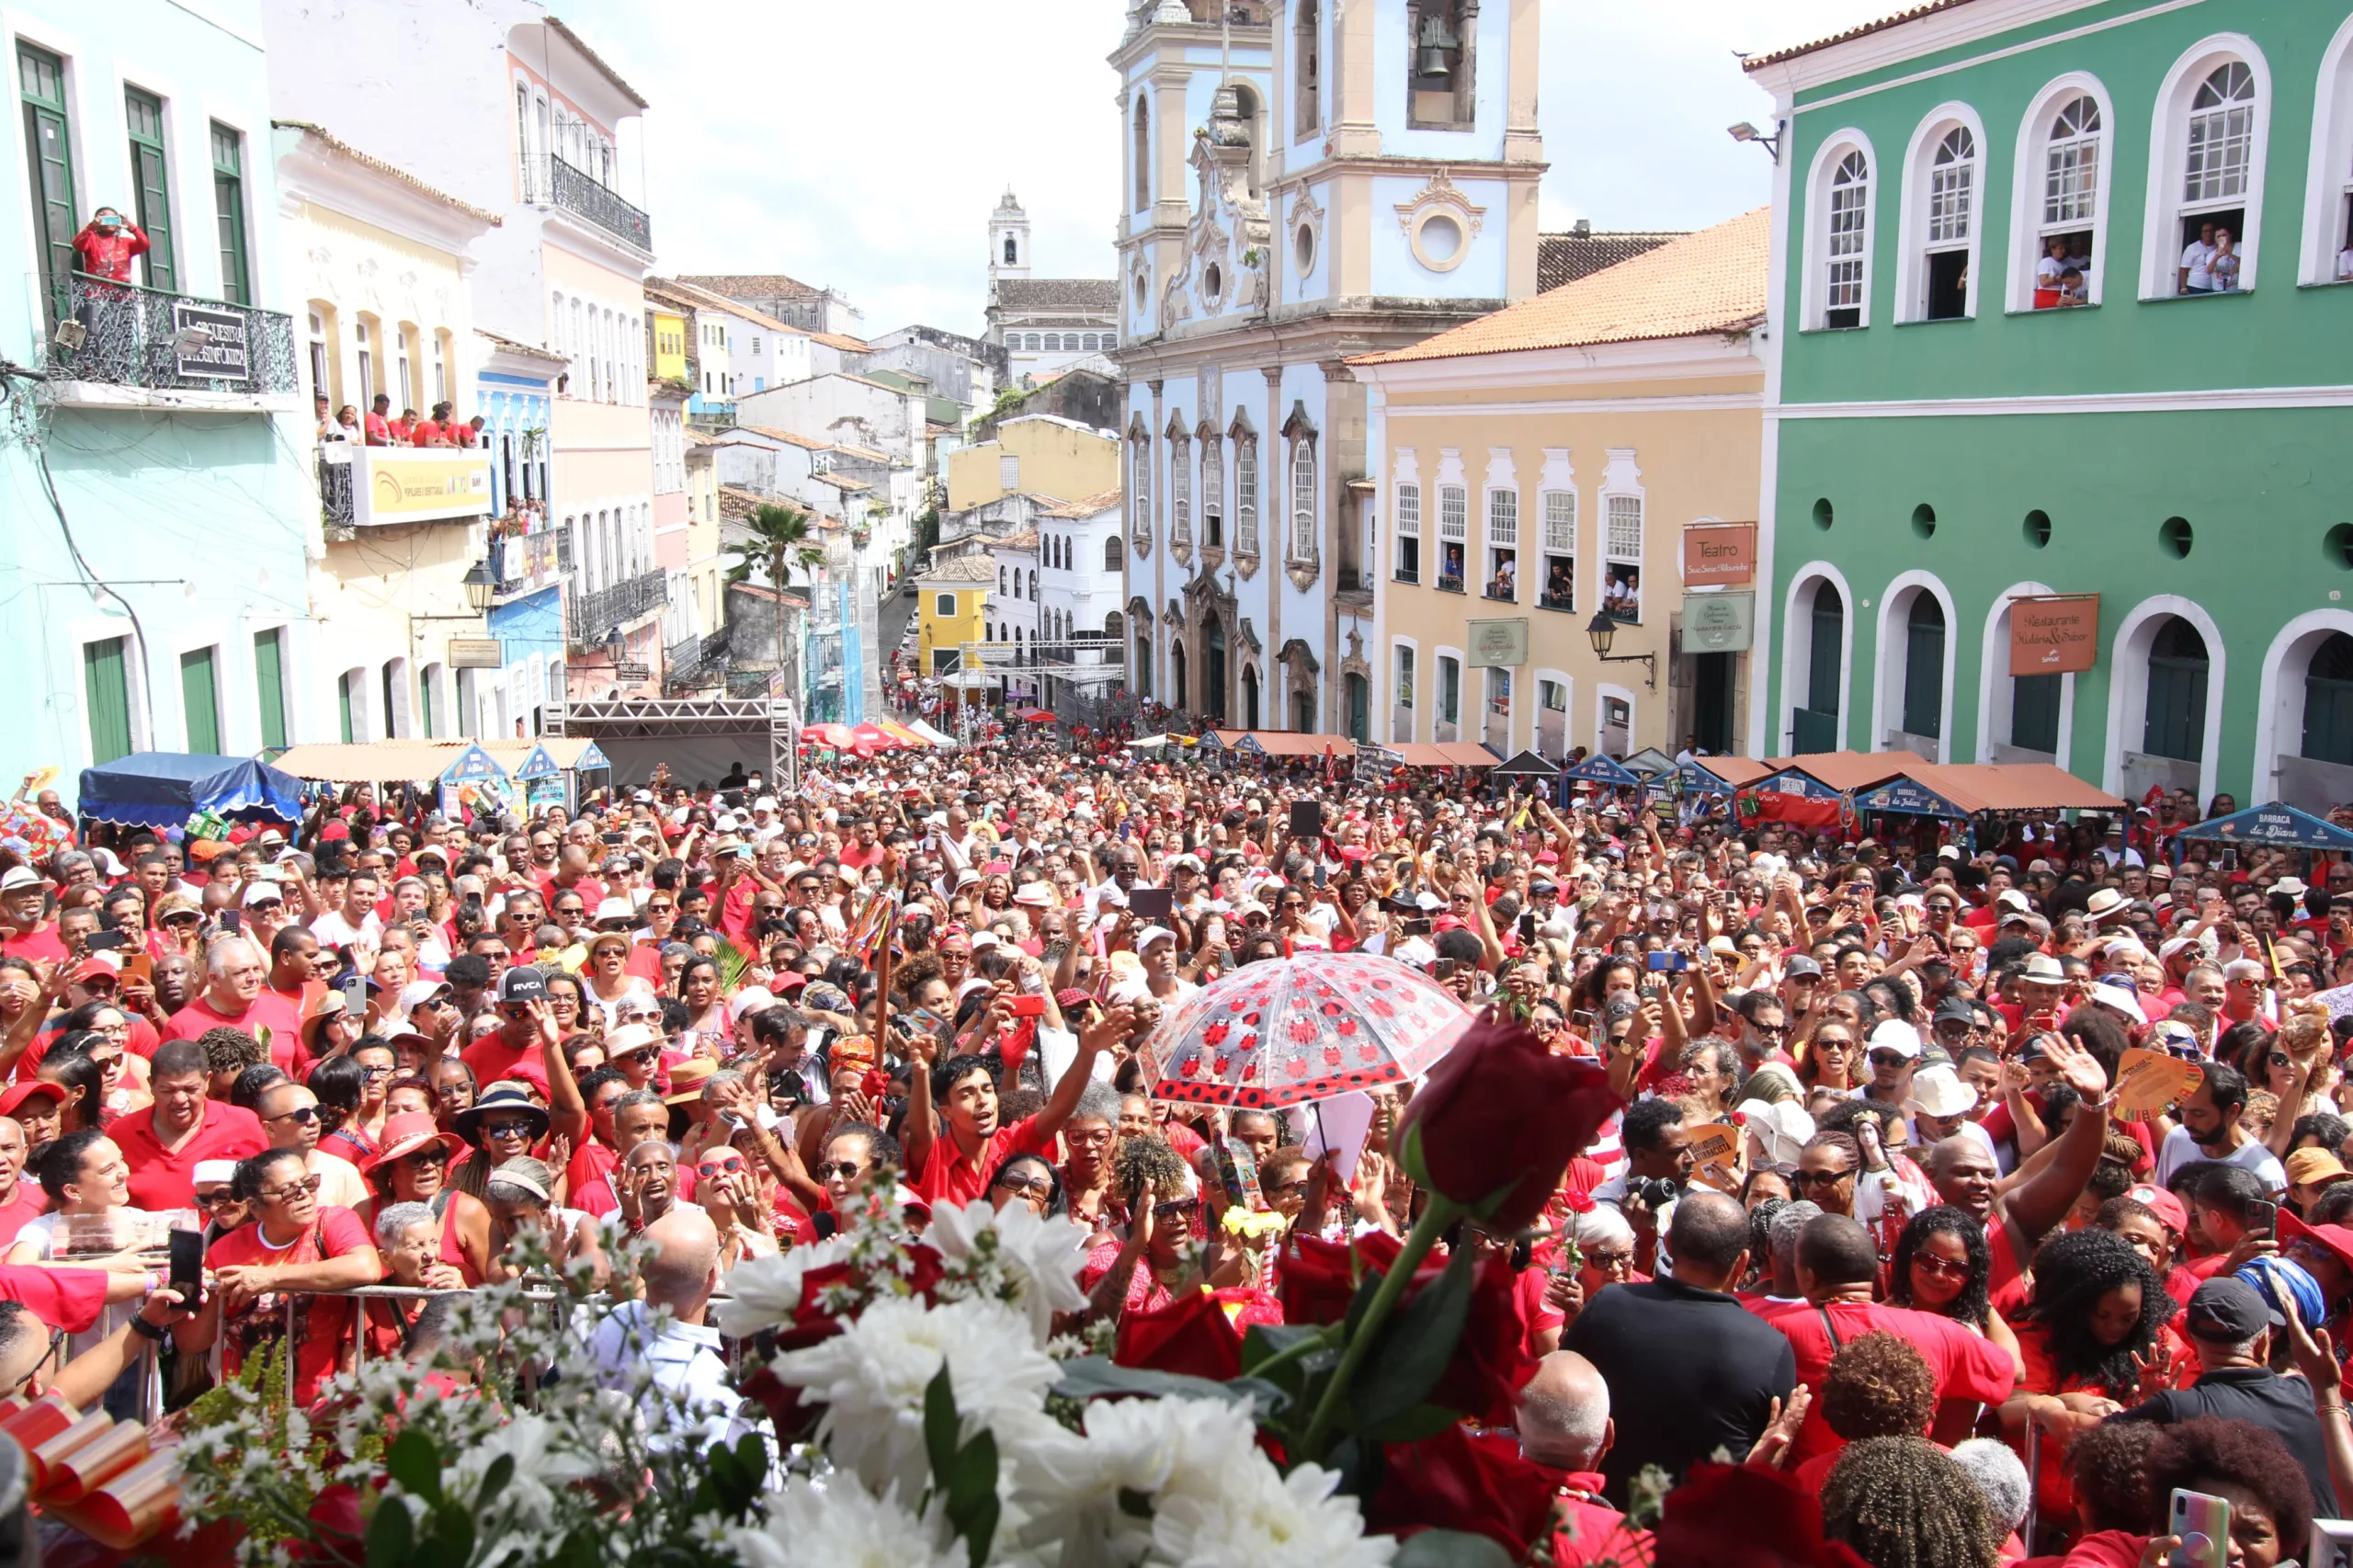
[[863, 146]]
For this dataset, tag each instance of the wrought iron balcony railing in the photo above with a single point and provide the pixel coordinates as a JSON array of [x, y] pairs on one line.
[[593, 617], [527, 563], [124, 335], [576, 191]]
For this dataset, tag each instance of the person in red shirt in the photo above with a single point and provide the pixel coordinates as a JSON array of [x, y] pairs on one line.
[[236, 997], [19, 1199], [951, 1161], [1564, 1429], [108, 244], [517, 1039], [163, 1143], [1837, 1264], [379, 421], [24, 904], [293, 1245]]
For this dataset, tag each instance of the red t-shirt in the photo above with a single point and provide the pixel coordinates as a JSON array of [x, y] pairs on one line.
[[268, 1010], [70, 1299], [948, 1178], [1966, 1364], [857, 856], [491, 1057], [425, 432], [30, 1203], [165, 1178], [42, 942], [319, 1338], [379, 429]]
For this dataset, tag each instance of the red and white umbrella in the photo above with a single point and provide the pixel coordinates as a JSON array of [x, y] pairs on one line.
[[1311, 1027]]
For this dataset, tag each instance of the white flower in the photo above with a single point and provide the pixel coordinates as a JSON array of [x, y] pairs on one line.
[[871, 1377], [843, 1527], [1268, 1521], [1041, 1256], [764, 1292], [1159, 1448], [544, 1466]]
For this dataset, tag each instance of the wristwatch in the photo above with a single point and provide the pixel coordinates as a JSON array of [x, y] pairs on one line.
[[145, 1330]]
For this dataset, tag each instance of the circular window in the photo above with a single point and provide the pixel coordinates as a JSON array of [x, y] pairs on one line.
[[1439, 239], [2175, 538], [1924, 520], [1144, 298], [1213, 283], [1303, 249], [2337, 546], [1822, 513], [2038, 529]]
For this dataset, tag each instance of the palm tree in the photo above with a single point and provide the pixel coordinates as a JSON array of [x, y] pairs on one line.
[[780, 540]]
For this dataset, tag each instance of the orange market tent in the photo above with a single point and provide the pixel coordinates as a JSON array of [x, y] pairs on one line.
[[1445, 754], [1286, 743]]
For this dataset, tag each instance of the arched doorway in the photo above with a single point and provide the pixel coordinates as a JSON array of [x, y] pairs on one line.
[[1250, 697], [1359, 693], [2328, 702], [2175, 716], [1815, 724], [1924, 667], [1213, 669], [1140, 676], [1177, 676]]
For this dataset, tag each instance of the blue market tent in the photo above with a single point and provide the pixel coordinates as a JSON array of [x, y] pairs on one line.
[[1599, 769], [163, 788], [2276, 826]]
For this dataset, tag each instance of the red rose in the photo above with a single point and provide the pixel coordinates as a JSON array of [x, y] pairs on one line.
[[1457, 1482], [1731, 1516], [1190, 1336], [1501, 1114], [1490, 1362]]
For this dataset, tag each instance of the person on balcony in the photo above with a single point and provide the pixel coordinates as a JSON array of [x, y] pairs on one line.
[[108, 244], [379, 421]]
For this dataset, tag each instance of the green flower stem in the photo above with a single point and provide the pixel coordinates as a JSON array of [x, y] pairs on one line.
[[1307, 1344], [1440, 1212]]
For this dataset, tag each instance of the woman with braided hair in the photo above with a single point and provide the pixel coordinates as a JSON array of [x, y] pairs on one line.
[[2093, 1342], [1905, 1503]]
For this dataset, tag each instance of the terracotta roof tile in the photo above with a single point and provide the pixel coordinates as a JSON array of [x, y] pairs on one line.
[[1099, 294], [1564, 258], [752, 285], [597, 61], [806, 443], [1086, 506], [1863, 30], [368, 161], [1713, 280]]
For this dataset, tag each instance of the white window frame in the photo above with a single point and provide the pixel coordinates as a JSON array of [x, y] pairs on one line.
[[2167, 205], [2328, 195], [2029, 191], [1408, 508], [1213, 490], [1622, 481], [1557, 509], [1245, 493], [1300, 493], [1139, 501], [1453, 528], [943, 607], [1404, 680], [1918, 211], [1180, 490], [1815, 290], [1503, 533]]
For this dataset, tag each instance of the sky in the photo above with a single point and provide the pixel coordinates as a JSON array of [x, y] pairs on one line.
[[863, 147]]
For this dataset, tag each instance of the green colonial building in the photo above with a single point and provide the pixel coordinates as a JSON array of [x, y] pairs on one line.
[[2064, 306]]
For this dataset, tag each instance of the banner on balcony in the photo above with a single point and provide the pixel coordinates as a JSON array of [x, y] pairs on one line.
[[209, 342], [2055, 634], [417, 486]]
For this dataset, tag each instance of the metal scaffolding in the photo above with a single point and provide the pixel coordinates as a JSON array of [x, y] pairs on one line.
[[654, 717]]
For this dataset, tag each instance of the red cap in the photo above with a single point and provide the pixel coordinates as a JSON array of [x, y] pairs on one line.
[[2168, 1207], [1446, 923], [2336, 1239], [93, 966], [334, 830], [23, 1092]]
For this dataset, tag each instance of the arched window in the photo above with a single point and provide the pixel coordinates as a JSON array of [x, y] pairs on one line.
[[1000, 580], [1245, 494], [1140, 493], [1011, 253], [2328, 702], [1923, 667], [1180, 490], [1816, 725], [1307, 111], [1213, 493], [1846, 236], [2175, 714], [2222, 135], [1953, 199], [1246, 103], [1302, 498], [2206, 175], [1113, 559], [1142, 155], [2067, 212]]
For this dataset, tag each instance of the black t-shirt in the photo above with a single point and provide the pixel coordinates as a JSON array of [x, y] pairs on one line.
[[1690, 1371], [2282, 1406]]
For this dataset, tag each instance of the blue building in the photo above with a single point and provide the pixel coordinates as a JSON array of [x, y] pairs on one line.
[[161, 503]]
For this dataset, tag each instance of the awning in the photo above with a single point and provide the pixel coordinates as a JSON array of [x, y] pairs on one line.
[[1840, 772], [1526, 765], [2277, 825], [371, 762], [928, 732], [1733, 770], [1289, 742], [1035, 715], [1445, 754], [2030, 787], [1603, 770], [163, 788]]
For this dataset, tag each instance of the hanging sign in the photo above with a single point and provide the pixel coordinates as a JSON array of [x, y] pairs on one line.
[[2054, 635], [1718, 554]]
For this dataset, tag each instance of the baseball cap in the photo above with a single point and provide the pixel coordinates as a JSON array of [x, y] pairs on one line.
[[2163, 1205], [417, 993], [1151, 934], [1800, 964], [15, 1098], [1896, 1035], [263, 892], [2228, 1310], [522, 983], [1953, 1010]]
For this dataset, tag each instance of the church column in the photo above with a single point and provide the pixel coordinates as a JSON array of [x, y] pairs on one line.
[[1274, 546], [1156, 444]]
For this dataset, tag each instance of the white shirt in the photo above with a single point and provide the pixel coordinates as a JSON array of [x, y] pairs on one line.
[[2195, 256], [684, 1361], [2180, 1149], [334, 931]]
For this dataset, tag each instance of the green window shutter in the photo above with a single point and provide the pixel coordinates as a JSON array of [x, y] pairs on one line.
[[269, 680], [49, 157], [151, 190], [343, 704], [2034, 713], [229, 204], [425, 703], [105, 690], [200, 703]]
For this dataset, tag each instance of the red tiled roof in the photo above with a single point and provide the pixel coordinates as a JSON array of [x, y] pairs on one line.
[[1863, 30]]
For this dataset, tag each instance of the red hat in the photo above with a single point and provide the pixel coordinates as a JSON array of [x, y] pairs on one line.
[[2168, 1207], [23, 1092], [2336, 1240], [94, 967], [1446, 923], [334, 830], [405, 1134], [532, 1072], [791, 980]]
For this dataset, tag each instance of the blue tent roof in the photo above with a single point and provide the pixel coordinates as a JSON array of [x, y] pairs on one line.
[[2277, 825], [1600, 770], [163, 788]]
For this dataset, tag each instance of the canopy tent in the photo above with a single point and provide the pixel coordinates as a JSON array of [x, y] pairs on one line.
[[1838, 772], [1283, 743], [1035, 715], [1445, 754], [1525, 764], [2277, 826], [1957, 790], [379, 762], [1733, 770], [918, 727], [1648, 761], [1604, 770], [163, 788]]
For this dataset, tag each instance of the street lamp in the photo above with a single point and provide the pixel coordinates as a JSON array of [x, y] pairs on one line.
[[1745, 131], [482, 584], [1602, 630]]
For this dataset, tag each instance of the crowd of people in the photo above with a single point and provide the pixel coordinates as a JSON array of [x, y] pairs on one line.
[[1892, 1206], [380, 428]]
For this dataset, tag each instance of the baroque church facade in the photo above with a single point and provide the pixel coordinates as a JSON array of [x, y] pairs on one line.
[[1302, 181]]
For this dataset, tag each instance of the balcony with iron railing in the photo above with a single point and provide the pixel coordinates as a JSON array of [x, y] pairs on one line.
[[578, 192], [527, 563], [591, 619], [120, 343]]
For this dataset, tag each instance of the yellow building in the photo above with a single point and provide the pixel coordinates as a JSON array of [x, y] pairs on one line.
[[1042, 454], [1541, 466], [952, 604], [666, 329]]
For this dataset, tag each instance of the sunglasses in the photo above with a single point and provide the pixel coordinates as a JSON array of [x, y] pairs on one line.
[[644, 1057], [1819, 1178], [209, 1201], [1038, 1187], [506, 1129], [1888, 1059], [303, 1115], [1943, 1267], [435, 1155], [846, 1169], [287, 1194], [731, 1165]]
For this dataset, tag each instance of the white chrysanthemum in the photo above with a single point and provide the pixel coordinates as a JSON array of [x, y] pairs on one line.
[[1268, 1521], [1043, 1256], [1159, 1448], [871, 1377], [544, 1466], [764, 1292], [844, 1527]]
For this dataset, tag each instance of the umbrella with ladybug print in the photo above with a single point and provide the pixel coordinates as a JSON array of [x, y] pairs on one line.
[[1311, 1027]]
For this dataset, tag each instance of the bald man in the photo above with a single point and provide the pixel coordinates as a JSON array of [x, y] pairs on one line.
[[1564, 1429], [665, 1331]]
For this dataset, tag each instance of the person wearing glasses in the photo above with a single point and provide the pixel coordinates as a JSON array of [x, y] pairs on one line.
[[1149, 1270], [1942, 1265], [294, 1245], [290, 1115], [1026, 1178], [413, 1166]]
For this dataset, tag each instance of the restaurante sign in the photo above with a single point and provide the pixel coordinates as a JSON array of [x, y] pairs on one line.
[[2054, 634]]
